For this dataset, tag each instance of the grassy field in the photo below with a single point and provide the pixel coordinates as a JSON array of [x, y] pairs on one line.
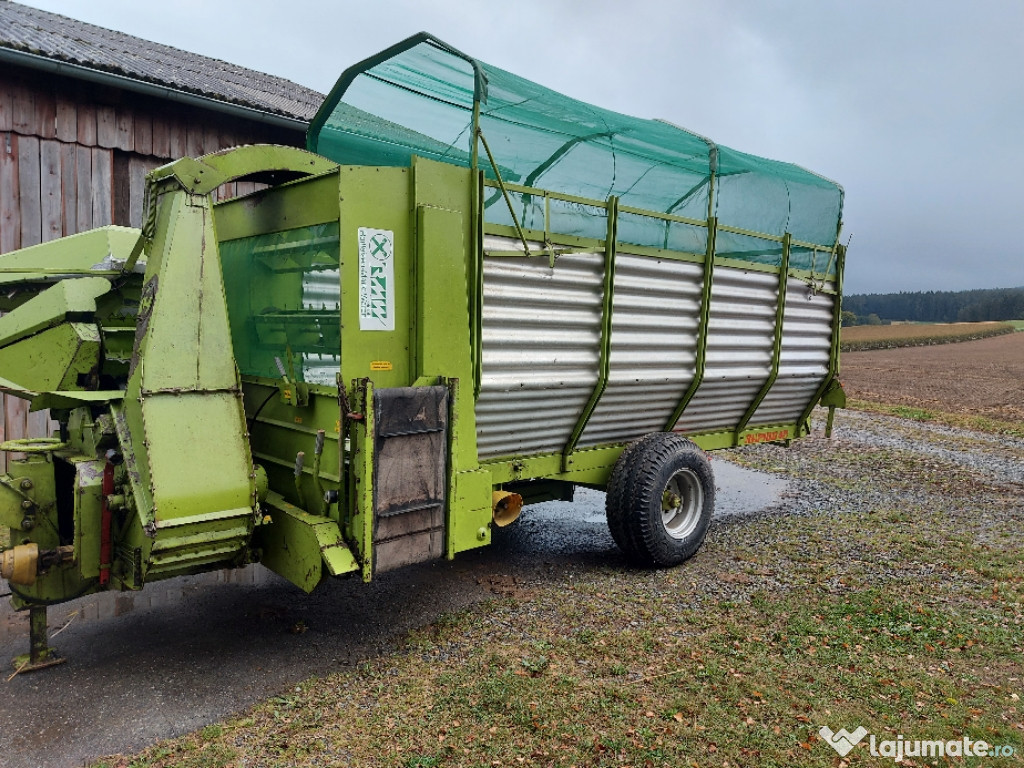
[[866, 337], [903, 615]]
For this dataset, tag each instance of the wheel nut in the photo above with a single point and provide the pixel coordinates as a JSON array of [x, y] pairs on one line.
[[26, 484], [26, 504], [27, 524]]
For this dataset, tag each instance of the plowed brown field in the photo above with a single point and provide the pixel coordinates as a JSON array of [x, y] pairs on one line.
[[982, 378]]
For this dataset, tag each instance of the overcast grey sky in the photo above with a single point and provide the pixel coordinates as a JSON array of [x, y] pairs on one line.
[[916, 108]]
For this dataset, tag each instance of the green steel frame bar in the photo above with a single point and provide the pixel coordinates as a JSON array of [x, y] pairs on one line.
[[780, 315], [476, 283], [702, 331], [606, 337], [349, 75], [504, 190], [521, 189], [837, 322]]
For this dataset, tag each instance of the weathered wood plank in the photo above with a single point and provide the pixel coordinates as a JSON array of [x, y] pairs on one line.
[[50, 201], [23, 114], [83, 184], [161, 137], [69, 188], [102, 189], [125, 129], [179, 137], [86, 124], [10, 204], [195, 138], [144, 133], [67, 119], [138, 168], [28, 189], [46, 114], [106, 127], [38, 424], [15, 418], [122, 189], [211, 139], [6, 109]]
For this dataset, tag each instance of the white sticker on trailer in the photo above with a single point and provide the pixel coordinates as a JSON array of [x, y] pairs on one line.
[[376, 279]]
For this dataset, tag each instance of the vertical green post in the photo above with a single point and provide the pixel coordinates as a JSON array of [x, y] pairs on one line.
[[837, 324], [780, 314], [362, 438], [606, 333], [702, 329]]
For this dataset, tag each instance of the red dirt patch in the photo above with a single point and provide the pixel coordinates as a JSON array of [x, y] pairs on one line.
[[984, 378]]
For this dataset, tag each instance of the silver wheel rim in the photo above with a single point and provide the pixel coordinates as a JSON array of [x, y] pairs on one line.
[[681, 504]]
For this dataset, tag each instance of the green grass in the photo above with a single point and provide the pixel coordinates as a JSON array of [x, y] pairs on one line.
[[1017, 324], [905, 618]]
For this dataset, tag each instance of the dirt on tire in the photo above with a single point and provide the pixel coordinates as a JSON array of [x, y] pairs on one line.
[[980, 378]]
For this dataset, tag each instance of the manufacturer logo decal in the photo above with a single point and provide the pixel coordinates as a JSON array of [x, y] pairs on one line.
[[376, 279]]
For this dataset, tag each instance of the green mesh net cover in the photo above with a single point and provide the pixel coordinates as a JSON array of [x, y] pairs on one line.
[[419, 97]]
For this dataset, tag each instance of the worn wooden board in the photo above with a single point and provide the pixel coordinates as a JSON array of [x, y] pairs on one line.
[[38, 424], [28, 190], [69, 188], [122, 188], [102, 187], [15, 418], [10, 204], [138, 168], [178, 136], [161, 137], [86, 119], [6, 109], [144, 133], [83, 188], [45, 115], [23, 109], [50, 188], [125, 123], [195, 141], [67, 119], [106, 127]]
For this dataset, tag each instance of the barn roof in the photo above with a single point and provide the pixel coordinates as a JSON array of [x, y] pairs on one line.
[[41, 34]]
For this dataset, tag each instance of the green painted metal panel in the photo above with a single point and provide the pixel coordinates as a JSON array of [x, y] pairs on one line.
[[51, 306], [102, 250], [298, 545], [289, 206], [55, 358], [379, 200]]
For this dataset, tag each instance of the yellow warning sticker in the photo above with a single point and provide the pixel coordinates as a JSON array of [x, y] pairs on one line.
[[380, 365]]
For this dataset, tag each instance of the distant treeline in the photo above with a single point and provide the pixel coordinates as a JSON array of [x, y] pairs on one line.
[[936, 306]]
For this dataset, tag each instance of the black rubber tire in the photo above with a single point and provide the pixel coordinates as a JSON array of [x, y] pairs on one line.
[[659, 460], [619, 488]]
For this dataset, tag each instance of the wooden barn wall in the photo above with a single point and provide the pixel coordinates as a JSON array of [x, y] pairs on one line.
[[73, 156]]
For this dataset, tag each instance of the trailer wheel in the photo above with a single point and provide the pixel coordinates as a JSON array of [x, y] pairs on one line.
[[619, 488], [667, 502]]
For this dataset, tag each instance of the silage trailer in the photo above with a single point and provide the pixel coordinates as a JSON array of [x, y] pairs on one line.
[[471, 293]]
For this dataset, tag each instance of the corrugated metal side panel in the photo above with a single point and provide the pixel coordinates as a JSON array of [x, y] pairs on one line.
[[655, 316], [540, 343], [804, 357], [741, 330], [321, 289]]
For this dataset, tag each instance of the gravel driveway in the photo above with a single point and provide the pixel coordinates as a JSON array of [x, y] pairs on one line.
[[188, 652]]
